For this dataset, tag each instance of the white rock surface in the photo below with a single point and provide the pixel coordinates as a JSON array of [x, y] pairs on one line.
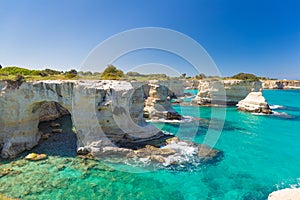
[[224, 92], [285, 194], [255, 103]]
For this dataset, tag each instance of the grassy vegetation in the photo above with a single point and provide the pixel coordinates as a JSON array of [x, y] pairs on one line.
[[110, 73], [248, 77]]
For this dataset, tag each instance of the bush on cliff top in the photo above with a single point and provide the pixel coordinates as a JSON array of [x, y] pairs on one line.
[[112, 73], [245, 76]]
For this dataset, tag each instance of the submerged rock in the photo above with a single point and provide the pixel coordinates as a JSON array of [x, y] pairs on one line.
[[5, 171], [35, 157], [54, 125], [57, 130], [255, 103], [3, 197], [45, 136]]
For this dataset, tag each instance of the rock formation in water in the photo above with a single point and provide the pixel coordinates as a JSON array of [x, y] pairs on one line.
[[224, 92], [107, 115], [158, 104], [254, 103], [288, 194], [281, 84]]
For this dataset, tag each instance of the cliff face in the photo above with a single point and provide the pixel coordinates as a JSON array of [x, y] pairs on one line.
[[158, 104], [20, 111], [224, 92], [103, 112], [281, 84]]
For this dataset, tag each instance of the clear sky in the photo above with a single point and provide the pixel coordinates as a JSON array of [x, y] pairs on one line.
[[256, 36]]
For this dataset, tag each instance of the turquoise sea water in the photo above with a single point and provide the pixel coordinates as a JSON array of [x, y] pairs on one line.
[[260, 154]]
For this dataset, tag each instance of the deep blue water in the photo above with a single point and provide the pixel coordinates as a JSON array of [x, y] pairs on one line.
[[260, 154]]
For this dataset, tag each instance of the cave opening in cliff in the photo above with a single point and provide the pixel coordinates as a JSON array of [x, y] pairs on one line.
[[55, 126]]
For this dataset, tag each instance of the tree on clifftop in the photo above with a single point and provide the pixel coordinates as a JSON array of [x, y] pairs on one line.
[[112, 73], [0, 66], [245, 76]]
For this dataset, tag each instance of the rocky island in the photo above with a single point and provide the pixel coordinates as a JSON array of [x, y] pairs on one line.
[[255, 103]]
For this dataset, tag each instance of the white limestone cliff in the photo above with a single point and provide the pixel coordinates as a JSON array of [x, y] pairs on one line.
[[281, 84], [224, 92], [98, 111], [255, 103]]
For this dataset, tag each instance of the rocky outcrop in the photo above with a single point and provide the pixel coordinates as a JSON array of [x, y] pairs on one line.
[[158, 104], [51, 110], [254, 103], [281, 84], [288, 194], [224, 92], [174, 152], [107, 116]]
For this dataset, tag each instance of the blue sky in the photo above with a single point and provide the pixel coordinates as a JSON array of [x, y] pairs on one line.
[[261, 37]]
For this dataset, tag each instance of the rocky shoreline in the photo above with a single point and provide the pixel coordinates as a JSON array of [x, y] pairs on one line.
[[114, 113]]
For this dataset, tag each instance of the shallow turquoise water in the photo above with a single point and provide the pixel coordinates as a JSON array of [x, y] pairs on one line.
[[261, 154]]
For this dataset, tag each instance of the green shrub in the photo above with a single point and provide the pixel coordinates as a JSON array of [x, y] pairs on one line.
[[112, 73], [245, 76], [19, 70], [70, 76], [51, 72]]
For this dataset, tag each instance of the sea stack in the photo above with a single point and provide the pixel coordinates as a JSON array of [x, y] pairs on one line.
[[255, 103], [158, 104]]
